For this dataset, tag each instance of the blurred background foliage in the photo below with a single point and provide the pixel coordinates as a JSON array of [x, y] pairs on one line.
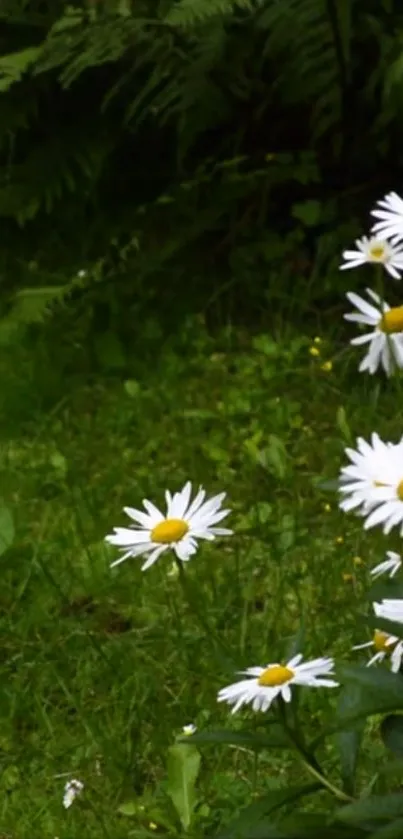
[[189, 156]]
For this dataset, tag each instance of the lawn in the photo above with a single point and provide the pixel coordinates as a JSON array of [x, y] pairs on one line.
[[103, 667]]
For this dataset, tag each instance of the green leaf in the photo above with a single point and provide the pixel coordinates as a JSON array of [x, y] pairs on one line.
[[183, 768], [14, 65], [342, 424], [389, 831], [392, 733], [348, 743], [7, 531], [309, 212], [129, 808], [383, 807], [250, 817], [274, 457], [368, 691], [276, 739]]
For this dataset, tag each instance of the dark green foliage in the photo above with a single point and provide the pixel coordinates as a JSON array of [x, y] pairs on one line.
[[110, 109]]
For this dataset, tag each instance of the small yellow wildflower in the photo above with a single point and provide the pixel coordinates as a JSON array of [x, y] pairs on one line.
[[314, 351], [317, 340], [327, 508], [348, 578], [153, 826], [358, 561], [327, 366], [339, 540]]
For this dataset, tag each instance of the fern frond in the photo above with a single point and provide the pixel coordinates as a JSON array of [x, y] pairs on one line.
[[35, 305], [188, 13], [301, 41]]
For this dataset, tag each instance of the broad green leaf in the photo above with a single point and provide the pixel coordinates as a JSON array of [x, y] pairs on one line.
[[383, 807], [392, 734], [183, 766], [7, 531], [247, 823], [275, 739], [368, 691], [348, 743], [389, 831]]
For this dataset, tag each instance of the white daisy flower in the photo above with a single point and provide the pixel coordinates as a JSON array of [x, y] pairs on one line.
[[267, 683], [378, 251], [189, 729], [179, 529], [392, 565], [374, 482], [71, 790], [384, 645], [389, 211], [386, 337]]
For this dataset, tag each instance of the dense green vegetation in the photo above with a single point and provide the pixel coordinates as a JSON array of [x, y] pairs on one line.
[[177, 183]]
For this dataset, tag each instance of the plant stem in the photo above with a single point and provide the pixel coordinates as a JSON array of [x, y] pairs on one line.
[[308, 760]]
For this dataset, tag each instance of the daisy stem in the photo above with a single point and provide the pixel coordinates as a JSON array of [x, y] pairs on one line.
[[193, 603], [307, 759]]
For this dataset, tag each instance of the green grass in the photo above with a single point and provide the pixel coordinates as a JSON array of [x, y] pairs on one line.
[[101, 669]]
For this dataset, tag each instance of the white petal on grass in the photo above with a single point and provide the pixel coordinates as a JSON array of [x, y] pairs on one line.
[[184, 523], [71, 790]]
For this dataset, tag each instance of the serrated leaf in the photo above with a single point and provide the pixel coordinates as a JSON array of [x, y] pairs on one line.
[[7, 531], [374, 807], [392, 733], [183, 767]]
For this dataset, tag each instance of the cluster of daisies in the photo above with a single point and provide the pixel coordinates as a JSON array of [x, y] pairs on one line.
[[372, 486], [385, 248], [184, 523]]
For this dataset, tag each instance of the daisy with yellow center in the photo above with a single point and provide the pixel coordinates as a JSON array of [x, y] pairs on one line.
[[385, 646], [179, 529], [386, 337], [377, 251], [372, 483], [265, 684]]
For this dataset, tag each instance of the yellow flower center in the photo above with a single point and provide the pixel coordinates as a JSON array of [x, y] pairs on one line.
[[392, 321], [399, 491], [377, 252], [380, 640], [274, 676], [169, 530]]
